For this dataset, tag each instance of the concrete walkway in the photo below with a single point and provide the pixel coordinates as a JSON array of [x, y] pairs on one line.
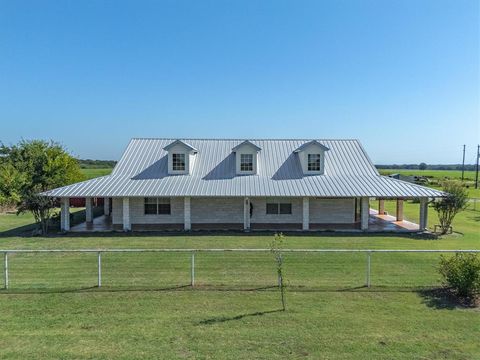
[[100, 224], [389, 223]]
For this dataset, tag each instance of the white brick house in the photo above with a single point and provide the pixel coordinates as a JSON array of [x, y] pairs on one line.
[[173, 184]]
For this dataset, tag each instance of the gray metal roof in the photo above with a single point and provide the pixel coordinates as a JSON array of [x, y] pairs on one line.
[[143, 171]]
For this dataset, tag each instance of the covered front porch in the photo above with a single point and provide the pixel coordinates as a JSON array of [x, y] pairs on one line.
[[369, 219]]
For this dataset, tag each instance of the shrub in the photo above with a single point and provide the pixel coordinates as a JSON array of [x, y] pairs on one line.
[[448, 207], [461, 273]]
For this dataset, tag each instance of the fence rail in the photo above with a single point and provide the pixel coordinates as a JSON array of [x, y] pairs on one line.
[[192, 252]]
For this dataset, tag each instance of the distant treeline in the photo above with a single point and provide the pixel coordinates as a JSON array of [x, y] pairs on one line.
[[96, 164], [103, 164], [428, 167]]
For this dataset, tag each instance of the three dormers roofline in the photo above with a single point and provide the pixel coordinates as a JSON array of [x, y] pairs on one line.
[[181, 157]]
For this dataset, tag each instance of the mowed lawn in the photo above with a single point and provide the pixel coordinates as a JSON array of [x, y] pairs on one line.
[[438, 176], [94, 172], [146, 308]]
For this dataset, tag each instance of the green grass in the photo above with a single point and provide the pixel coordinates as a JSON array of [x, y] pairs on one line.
[[146, 309], [438, 176], [93, 173]]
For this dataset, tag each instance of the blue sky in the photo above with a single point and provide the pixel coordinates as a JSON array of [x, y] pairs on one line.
[[402, 76]]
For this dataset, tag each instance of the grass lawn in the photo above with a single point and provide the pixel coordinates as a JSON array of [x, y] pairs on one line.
[[93, 173], [146, 309], [437, 176]]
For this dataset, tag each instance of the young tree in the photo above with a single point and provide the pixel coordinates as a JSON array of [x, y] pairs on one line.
[[455, 200], [37, 166], [276, 247]]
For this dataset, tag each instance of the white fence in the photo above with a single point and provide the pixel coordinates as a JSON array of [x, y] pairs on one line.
[[193, 252]]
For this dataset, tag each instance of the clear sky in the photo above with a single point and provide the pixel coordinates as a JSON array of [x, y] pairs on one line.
[[402, 76]]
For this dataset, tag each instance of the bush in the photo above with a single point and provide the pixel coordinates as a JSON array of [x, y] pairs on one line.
[[454, 201], [461, 273]]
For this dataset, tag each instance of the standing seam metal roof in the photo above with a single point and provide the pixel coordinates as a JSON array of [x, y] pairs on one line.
[[143, 171]]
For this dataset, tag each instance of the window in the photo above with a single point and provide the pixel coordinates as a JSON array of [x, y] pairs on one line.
[[313, 162], [150, 206], [178, 162], [285, 208], [274, 208], [157, 206], [246, 162], [163, 206]]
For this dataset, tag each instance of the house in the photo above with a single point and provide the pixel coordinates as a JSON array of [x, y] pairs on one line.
[[189, 184]]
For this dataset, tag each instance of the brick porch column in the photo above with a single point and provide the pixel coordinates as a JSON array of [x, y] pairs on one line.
[[65, 214], [106, 206], [246, 214], [126, 214], [423, 214], [306, 214], [399, 209], [381, 207], [365, 213], [187, 214], [88, 210]]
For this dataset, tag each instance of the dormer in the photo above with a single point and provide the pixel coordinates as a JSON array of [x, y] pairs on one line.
[[312, 157], [181, 157], [246, 158]]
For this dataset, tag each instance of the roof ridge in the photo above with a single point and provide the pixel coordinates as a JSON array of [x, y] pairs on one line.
[[244, 139]]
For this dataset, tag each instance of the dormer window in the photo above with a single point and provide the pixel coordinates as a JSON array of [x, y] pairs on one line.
[[246, 162], [314, 162], [178, 162], [181, 157], [312, 157], [246, 158]]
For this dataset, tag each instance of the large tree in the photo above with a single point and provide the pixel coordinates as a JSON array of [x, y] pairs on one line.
[[32, 167]]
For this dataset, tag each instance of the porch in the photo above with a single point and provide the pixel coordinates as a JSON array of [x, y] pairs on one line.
[[376, 224], [304, 218]]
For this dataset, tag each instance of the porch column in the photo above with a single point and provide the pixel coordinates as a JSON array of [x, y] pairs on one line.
[[381, 207], [306, 214], [126, 214], [88, 210], [365, 210], [246, 214], [423, 214], [399, 210], [187, 213], [65, 214], [106, 206]]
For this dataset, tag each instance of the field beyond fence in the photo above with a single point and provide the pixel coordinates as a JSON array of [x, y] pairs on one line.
[[227, 268]]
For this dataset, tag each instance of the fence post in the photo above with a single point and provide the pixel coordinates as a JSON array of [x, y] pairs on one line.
[[369, 254], [99, 269], [6, 270], [192, 274]]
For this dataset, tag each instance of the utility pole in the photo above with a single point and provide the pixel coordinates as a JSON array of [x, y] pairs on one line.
[[476, 170], [463, 162]]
